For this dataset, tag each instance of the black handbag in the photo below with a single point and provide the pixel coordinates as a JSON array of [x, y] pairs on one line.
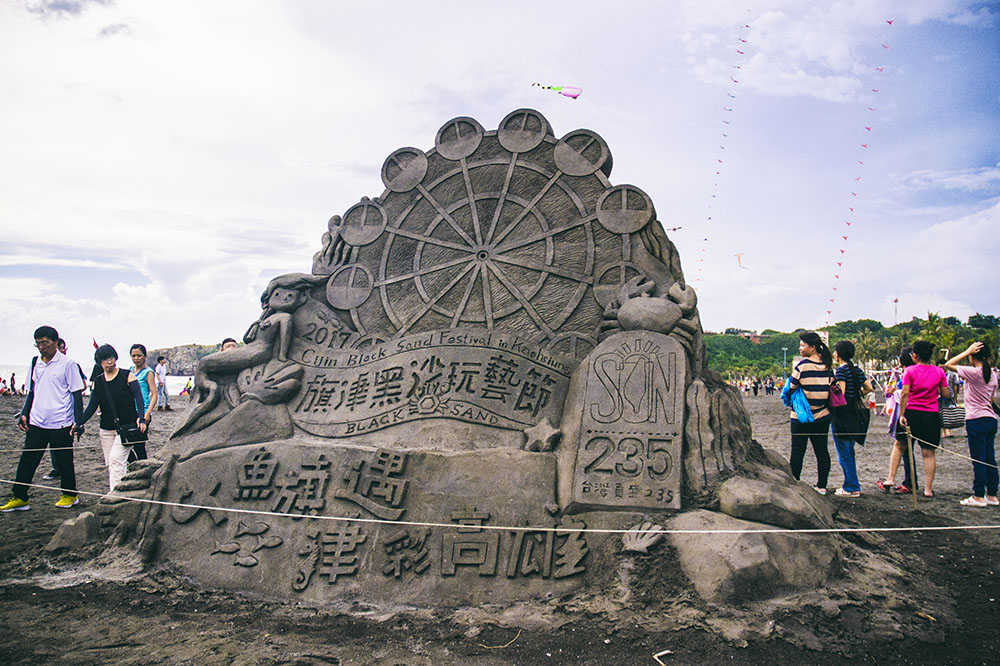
[[129, 434], [852, 418]]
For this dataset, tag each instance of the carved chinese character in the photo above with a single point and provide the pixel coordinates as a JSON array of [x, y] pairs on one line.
[[303, 490], [319, 395], [185, 514], [571, 552], [357, 392], [406, 552], [499, 378], [470, 545], [531, 553], [428, 379], [255, 476], [534, 393], [387, 386], [460, 378], [375, 486], [331, 554]]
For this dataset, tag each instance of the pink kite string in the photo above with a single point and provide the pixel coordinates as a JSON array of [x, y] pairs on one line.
[[726, 121], [867, 130]]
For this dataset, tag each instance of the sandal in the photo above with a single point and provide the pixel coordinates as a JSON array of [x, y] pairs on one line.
[[903, 490], [928, 494], [885, 487], [840, 492], [993, 501], [974, 501]]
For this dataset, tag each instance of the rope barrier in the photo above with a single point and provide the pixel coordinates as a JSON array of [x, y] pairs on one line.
[[916, 439], [521, 528]]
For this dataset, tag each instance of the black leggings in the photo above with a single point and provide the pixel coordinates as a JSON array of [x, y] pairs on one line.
[[816, 433]]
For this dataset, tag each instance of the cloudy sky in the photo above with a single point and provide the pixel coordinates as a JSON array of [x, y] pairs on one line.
[[161, 161]]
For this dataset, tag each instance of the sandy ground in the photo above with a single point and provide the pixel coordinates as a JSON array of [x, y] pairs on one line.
[[70, 609]]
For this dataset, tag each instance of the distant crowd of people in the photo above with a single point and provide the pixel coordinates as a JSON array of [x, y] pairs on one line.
[[11, 388]]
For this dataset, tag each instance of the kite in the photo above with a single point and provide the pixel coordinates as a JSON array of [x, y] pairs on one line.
[[675, 228], [739, 261], [889, 21], [566, 91]]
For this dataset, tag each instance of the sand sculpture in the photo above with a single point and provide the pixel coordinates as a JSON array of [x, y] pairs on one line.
[[501, 339]]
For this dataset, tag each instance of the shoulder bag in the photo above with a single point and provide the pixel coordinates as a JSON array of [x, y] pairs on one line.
[[952, 416], [129, 433]]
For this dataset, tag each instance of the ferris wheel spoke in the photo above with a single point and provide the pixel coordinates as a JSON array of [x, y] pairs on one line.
[[472, 202], [430, 240], [517, 294], [503, 197], [487, 297], [544, 268], [431, 303], [460, 310], [527, 209], [447, 217], [545, 234], [422, 271]]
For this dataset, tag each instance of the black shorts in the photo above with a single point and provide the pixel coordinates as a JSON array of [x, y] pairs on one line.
[[925, 427]]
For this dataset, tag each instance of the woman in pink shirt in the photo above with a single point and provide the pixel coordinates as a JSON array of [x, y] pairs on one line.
[[980, 421], [923, 383]]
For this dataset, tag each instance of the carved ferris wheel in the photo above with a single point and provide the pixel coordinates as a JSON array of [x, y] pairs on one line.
[[508, 230]]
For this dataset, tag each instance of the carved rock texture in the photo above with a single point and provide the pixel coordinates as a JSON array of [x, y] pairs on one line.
[[75, 533], [737, 568], [250, 423], [717, 434], [790, 504], [778, 461]]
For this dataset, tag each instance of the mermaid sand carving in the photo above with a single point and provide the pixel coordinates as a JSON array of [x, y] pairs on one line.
[[262, 368]]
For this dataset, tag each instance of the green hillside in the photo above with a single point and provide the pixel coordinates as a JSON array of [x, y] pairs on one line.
[[733, 353]]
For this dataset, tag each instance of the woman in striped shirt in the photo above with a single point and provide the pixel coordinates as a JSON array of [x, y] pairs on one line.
[[813, 375]]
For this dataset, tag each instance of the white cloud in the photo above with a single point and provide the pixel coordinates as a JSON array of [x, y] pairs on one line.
[[981, 179], [20, 290], [983, 17]]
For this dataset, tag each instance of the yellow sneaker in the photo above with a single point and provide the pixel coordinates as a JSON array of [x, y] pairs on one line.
[[66, 501], [15, 504]]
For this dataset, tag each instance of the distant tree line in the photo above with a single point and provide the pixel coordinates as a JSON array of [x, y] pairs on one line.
[[733, 354]]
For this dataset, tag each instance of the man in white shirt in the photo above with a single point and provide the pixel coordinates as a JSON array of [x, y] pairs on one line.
[[53, 405], [161, 384]]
